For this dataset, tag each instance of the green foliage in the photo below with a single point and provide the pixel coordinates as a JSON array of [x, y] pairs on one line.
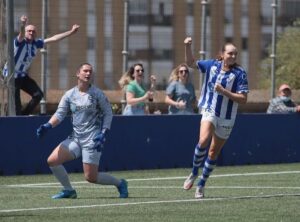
[[287, 59]]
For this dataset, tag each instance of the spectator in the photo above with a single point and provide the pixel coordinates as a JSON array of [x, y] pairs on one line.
[[180, 92], [283, 102], [91, 118], [25, 49], [225, 86], [136, 95]]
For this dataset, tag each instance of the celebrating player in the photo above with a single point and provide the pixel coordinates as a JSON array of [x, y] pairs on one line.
[[91, 118], [25, 49], [225, 86]]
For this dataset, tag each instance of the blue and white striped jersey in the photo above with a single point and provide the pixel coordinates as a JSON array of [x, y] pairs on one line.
[[24, 52], [90, 111], [234, 80]]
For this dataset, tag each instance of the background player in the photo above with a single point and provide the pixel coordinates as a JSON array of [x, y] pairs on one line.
[[25, 49]]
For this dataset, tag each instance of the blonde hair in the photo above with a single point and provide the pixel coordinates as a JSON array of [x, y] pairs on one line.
[[174, 76]]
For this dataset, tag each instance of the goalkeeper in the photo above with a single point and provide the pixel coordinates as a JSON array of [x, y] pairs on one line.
[[91, 118]]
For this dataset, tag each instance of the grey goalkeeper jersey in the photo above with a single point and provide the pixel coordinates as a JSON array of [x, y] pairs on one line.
[[90, 111]]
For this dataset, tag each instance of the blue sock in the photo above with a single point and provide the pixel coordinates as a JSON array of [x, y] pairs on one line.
[[207, 170], [198, 158]]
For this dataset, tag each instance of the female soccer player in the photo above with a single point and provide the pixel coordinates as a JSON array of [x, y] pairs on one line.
[[225, 86], [91, 118]]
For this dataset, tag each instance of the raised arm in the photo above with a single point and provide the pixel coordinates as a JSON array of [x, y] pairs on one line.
[[63, 35], [23, 21], [189, 58]]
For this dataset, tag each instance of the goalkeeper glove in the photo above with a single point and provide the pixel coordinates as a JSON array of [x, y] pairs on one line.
[[43, 129], [100, 140]]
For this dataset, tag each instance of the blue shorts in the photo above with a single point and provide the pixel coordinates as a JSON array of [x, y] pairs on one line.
[[134, 110]]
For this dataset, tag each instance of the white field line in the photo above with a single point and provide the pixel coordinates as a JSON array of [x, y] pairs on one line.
[[144, 203], [164, 187], [162, 178]]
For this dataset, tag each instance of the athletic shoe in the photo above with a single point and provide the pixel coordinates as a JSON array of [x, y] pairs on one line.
[[188, 183], [199, 193], [123, 189], [66, 194]]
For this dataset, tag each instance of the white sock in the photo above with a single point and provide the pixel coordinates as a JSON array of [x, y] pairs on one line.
[[62, 176], [107, 179]]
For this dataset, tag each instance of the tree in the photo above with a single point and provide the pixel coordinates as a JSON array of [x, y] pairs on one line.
[[287, 59]]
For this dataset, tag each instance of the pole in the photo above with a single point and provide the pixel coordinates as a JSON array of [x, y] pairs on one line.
[[202, 51], [125, 37], [10, 57], [43, 108], [125, 52], [273, 53]]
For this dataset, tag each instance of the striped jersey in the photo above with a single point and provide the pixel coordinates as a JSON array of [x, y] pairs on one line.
[[234, 80], [24, 52], [90, 111]]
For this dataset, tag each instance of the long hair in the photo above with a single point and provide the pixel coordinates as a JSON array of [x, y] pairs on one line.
[[174, 76], [127, 77]]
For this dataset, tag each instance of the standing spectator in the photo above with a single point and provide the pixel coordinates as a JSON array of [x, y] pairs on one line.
[[91, 118], [225, 86], [283, 103], [25, 49], [136, 95], [180, 92]]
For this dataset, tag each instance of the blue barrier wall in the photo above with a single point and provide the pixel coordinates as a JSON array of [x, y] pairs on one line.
[[150, 142]]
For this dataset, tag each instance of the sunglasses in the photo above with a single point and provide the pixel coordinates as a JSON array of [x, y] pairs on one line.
[[184, 71]]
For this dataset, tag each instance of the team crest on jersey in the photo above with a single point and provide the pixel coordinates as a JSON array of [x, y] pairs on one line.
[[73, 107]]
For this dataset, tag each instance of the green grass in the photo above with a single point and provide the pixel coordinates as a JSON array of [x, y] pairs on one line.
[[253, 193]]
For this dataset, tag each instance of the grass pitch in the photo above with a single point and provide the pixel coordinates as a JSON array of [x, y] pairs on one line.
[[239, 193]]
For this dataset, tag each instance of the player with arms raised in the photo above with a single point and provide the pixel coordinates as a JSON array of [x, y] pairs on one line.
[[26, 46], [225, 86]]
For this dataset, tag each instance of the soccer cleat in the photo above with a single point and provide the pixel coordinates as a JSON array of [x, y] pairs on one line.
[[199, 193], [66, 194], [188, 183], [123, 189]]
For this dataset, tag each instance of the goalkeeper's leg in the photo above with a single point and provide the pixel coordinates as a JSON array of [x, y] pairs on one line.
[[60, 155]]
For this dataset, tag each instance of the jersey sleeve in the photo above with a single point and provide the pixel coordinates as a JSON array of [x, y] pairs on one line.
[[17, 43], [242, 83], [63, 108], [106, 110], [39, 43], [204, 65], [130, 88]]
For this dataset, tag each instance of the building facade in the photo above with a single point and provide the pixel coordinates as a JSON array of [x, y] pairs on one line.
[[156, 32]]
